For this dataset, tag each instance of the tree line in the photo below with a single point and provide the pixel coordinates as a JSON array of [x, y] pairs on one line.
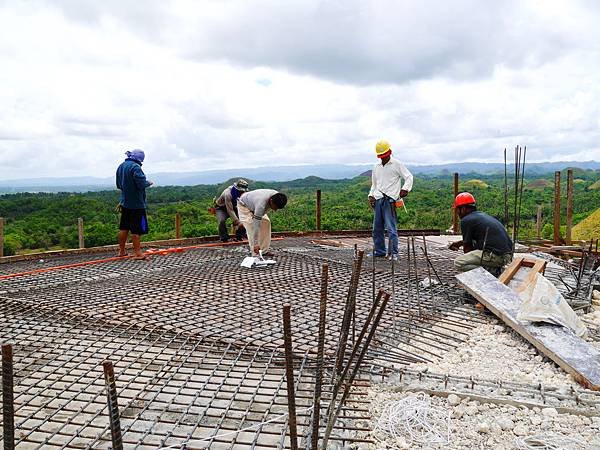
[[42, 221]]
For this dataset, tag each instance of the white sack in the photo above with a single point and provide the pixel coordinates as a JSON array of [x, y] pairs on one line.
[[251, 261], [543, 303]]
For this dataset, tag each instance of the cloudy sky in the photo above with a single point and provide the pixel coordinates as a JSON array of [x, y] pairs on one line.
[[225, 83]]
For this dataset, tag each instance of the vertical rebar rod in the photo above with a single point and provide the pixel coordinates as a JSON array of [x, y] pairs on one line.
[[487, 230], [568, 240], [538, 222], [556, 237], [80, 232], [318, 213], [414, 252], [8, 397], [455, 213], [348, 313], [113, 405], [373, 273], [516, 195], [289, 375], [426, 258], [1, 237], [394, 312], [521, 189], [348, 384], [408, 270], [320, 349], [505, 191], [331, 409], [177, 226]]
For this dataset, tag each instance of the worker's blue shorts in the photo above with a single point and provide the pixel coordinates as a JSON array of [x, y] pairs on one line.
[[134, 220]]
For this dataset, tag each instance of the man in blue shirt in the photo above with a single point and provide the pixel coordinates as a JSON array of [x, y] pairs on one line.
[[484, 239], [132, 204]]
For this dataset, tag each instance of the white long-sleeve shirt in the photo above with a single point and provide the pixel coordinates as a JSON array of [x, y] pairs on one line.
[[388, 179]]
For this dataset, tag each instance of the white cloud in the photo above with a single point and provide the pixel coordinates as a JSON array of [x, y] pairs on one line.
[[213, 84]]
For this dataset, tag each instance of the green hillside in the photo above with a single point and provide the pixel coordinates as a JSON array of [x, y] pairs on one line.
[[588, 228]]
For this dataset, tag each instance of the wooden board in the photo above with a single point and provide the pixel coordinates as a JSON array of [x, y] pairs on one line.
[[560, 344]]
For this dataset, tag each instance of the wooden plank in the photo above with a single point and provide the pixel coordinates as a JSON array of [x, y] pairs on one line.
[[510, 271], [561, 345], [538, 267]]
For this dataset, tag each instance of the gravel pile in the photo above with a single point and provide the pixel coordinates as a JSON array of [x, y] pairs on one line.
[[489, 426], [493, 351]]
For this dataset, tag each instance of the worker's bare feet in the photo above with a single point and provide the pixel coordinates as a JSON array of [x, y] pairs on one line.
[[121, 255], [140, 257]]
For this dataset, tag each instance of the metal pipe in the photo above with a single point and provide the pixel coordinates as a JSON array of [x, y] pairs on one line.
[[8, 397], [289, 375]]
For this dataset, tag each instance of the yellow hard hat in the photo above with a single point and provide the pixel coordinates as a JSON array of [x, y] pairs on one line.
[[381, 148]]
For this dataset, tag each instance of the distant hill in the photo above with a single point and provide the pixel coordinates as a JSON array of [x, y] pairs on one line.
[[278, 173]]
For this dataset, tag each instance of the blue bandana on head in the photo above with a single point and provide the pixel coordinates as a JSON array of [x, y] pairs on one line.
[[136, 155]]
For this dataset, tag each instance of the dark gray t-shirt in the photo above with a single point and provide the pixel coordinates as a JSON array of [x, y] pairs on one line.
[[473, 228]]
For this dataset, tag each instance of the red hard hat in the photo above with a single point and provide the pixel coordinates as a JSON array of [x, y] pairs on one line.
[[464, 198]]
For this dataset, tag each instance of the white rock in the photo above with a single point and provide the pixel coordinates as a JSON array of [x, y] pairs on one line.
[[458, 411], [506, 424], [549, 412], [535, 420], [453, 399], [521, 430], [483, 427], [471, 410]]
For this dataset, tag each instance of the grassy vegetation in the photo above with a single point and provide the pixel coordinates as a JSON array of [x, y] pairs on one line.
[[45, 221], [588, 228]]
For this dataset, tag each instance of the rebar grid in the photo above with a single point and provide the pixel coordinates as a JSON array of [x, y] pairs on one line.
[[196, 346]]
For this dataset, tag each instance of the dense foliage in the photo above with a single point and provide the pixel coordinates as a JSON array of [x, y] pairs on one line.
[[47, 221]]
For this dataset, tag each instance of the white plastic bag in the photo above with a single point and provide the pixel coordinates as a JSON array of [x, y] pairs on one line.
[[543, 303], [255, 261]]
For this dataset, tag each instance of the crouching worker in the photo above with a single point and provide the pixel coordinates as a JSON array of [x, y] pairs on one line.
[[226, 207], [484, 239], [252, 209]]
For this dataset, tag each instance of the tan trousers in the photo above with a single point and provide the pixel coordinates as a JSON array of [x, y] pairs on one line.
[[473, 259], [264, 233]]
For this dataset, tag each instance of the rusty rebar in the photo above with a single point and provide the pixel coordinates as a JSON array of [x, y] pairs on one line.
[[333, 414], [340, 380], [8, 397], [348, 314], [416, 276], [113, 406], [320, 350], [289, 375]]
